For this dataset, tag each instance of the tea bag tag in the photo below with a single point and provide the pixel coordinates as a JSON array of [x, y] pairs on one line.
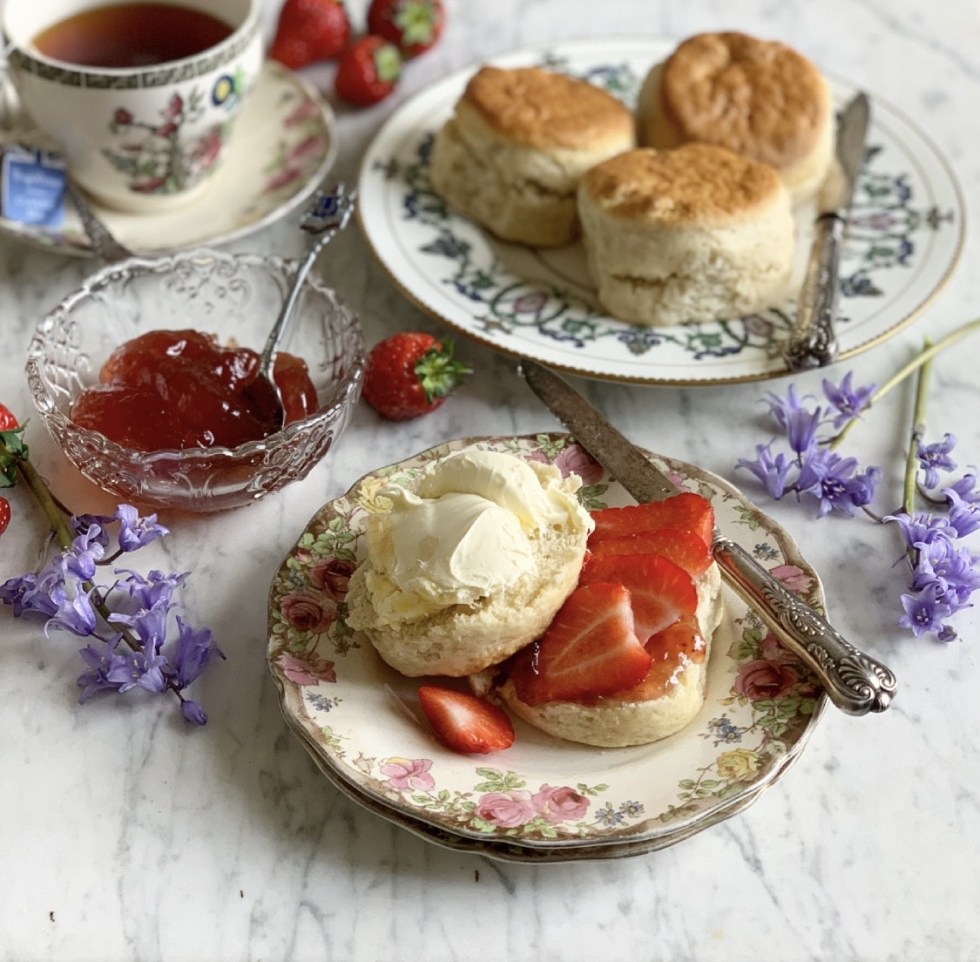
[[32, 186]]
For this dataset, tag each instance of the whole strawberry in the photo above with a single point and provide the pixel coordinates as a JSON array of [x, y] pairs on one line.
[[309, 31], [410, 374], [368, 71], [7, 421], [412, 25]]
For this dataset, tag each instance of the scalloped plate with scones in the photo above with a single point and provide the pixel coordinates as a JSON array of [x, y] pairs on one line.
[[905, 225], [545, 798]]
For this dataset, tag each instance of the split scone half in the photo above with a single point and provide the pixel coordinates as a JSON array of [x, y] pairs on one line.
[[470, 564]]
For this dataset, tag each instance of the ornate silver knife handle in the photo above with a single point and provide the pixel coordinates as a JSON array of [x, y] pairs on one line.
[[855, 682], [812, 342]]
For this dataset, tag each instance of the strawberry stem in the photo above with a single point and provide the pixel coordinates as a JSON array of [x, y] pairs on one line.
[[439, 372]]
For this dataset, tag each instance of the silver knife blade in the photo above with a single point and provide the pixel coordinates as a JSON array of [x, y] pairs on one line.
[[812, 341], [855, 682], [852, 132]]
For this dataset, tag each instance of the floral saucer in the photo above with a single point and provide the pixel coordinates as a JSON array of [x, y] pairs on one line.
[[905, 234], [543, 799], [282, 147]]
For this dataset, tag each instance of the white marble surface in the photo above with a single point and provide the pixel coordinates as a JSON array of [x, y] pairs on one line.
[[125, 834]]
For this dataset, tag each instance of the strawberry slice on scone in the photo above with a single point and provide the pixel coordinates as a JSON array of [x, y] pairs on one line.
[[685, 510], [590, 648], [661, 592], [682, 547]]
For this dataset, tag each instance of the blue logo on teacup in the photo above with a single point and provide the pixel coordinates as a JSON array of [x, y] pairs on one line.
[[226, 90]]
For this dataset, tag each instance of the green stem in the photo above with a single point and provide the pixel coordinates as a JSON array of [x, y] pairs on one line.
[[43, 495], [918, 428], [927, 355]]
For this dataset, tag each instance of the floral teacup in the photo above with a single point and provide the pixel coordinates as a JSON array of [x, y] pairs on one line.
[[138, 138]]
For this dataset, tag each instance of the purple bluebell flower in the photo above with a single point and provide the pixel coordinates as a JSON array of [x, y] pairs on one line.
[[773, 472], [934, 458], [965, 487], [101, 658], [193, 712], [81, 559], [847, 401], [949, 570], [801, 430], [75, 611], [796, 418], [149, 625], [783, 408], [831, 480], [134, 531], [923, 612], [964, 516], [155, 590], [919, 528], [30, 593], [138, 668], [192, 652], [81, 524]]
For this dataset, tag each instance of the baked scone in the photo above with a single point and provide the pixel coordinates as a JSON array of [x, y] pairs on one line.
[[470, 565], [666, 702], [697, 233], [511, 156], [758, 98]]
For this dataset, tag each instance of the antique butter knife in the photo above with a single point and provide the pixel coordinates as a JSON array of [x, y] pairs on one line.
[[812, 342], [855, 682]]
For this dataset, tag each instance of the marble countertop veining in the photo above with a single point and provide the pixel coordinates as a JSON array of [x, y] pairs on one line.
[[124, 835]]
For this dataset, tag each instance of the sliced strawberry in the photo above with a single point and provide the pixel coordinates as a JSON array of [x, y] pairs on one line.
[[682, 547], [685, 510], [464, 722], [661, 592], [590, 648], [671, 649]]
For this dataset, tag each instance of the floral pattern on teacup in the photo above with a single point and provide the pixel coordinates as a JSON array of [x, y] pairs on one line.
[[156, 155]]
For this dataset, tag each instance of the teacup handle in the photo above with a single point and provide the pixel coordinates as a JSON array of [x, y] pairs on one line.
[[11, 110]]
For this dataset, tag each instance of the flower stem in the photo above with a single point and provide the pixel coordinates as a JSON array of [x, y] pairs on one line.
[[918, 427], [47, 502], [927, 355]]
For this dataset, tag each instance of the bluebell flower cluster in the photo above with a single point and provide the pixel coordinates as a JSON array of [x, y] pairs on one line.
[[807, 468], [944, 573], [132, 640]]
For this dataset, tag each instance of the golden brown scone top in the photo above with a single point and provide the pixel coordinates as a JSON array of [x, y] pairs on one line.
[[542, 109], [757, 97], [694, 183]]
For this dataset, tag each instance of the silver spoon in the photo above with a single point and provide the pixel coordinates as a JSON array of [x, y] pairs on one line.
[[104, 242], [326, 217]]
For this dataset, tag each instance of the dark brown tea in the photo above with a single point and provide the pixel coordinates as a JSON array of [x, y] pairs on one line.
[[131, 35]]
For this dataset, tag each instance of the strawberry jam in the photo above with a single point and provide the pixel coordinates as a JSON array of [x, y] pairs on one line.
[[180, 389]]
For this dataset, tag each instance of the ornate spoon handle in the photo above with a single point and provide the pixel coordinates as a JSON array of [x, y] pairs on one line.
[[855, 682]]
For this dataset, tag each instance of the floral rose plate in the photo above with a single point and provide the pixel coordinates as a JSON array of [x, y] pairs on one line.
[[282, 147], [544, 799], [905, 233]]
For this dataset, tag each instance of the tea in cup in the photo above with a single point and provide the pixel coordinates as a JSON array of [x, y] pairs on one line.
[[138, 96]]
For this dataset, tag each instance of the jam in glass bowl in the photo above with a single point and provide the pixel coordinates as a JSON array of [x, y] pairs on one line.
[[235, 299]]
